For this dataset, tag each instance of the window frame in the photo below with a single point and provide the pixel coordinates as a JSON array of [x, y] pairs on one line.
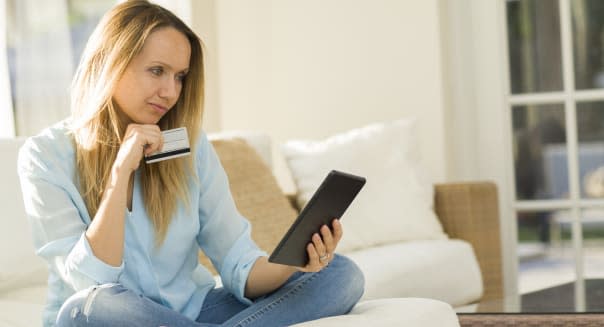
[[476, 54]]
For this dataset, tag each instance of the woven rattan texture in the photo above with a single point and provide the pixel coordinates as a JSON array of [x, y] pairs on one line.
[[256, 193], [469, 211], [531, 320]]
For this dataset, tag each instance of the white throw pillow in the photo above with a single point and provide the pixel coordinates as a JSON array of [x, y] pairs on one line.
[[396, 203]]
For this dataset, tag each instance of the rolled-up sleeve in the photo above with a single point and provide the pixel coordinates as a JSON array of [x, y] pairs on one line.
[[225, 235], [59, 218], [82, 260]]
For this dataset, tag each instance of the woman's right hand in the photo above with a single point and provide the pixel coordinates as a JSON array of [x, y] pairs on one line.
[[106, 232], [139, 140]]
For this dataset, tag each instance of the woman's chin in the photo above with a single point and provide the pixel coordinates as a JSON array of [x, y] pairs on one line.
[[147, 121]]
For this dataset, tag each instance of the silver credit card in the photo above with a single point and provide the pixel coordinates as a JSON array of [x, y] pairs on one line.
[[176, 144]]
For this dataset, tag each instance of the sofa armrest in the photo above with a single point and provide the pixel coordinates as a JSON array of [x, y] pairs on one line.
[[469, 211]]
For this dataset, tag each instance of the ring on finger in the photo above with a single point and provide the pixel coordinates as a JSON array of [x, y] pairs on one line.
[[324, 257]]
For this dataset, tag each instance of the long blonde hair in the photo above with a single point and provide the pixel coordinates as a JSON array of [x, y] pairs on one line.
[[97, 130]]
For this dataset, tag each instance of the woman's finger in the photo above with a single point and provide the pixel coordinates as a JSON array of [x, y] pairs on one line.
[[151, 138], [313, 263], [152, 144], [161, 141], [337, 230], [328, 240], [321, 249]]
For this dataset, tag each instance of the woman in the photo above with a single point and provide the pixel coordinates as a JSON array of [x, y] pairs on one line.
[[121, 236]]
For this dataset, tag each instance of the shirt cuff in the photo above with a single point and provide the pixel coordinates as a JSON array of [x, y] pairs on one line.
[[241, 267], [83, 260]]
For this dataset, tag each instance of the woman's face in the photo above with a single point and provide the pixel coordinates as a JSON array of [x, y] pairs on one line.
[[153, 80]]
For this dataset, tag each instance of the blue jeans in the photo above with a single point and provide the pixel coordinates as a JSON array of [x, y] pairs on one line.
[[305, 296]]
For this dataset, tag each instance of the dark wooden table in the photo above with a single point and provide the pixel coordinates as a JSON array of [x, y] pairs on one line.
[[554, 306]]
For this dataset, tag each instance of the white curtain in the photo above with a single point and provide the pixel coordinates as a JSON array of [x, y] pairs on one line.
[[44, 64], [7, 126]]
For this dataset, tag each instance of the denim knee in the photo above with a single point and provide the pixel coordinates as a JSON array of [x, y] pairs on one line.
[[77, 307], [351, 279]]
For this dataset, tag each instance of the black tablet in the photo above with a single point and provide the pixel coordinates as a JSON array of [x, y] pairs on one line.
[[330, 201]]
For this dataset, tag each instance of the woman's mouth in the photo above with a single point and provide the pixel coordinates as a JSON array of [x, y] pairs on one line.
[[160, 109]]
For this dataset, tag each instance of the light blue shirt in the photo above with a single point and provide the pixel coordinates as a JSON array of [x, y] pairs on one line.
[[169, 274]]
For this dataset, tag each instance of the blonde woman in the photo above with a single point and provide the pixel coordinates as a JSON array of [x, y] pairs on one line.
[[121, 236]]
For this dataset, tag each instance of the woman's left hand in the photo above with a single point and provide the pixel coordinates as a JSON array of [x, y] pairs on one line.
[[322, 248], [266, 277]]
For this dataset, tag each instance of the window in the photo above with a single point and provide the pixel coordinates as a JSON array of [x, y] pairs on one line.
[[44, 43], [556, 103]]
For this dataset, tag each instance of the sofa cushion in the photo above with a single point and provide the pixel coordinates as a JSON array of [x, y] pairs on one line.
[[19, 265], [445, 270], [396, 202], [256, 193], [259, 141], [393, 312], [23, 307]]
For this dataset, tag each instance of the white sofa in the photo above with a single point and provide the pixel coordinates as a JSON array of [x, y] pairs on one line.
[[424, 279], [439, 268]]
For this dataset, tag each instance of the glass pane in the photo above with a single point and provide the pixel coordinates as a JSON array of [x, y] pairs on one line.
[[534, 46], [84, 15], [592, 223], [590, 128], [545, 250], [588, 43], [540, 163], [45, 40]]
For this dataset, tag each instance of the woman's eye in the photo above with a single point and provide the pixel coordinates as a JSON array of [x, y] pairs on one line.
[[157, 71], [181, 77]]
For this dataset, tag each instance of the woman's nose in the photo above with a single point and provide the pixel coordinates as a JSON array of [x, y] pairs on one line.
[[170, 88]]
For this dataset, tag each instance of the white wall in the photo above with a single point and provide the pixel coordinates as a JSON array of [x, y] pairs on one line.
[[308, 69], [203, 21]]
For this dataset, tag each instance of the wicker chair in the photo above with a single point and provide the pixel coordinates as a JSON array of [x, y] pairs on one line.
[[470, 211]]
